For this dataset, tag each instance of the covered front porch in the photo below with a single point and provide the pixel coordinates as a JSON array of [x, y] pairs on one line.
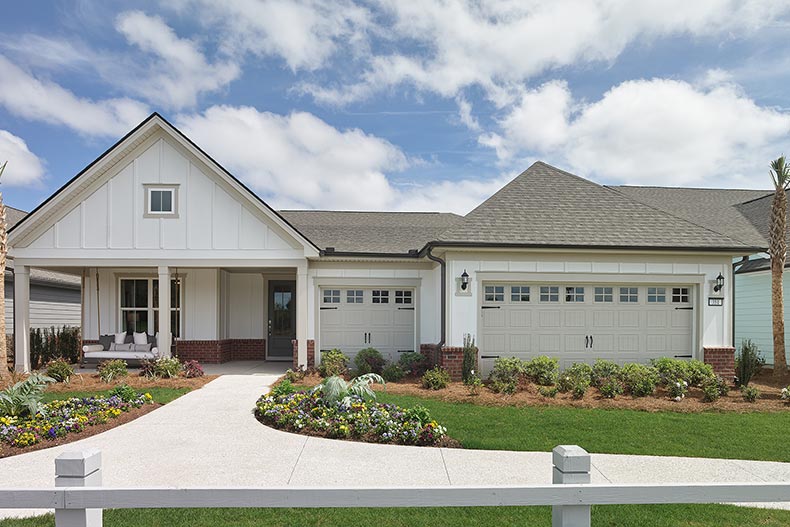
[[212, 314]]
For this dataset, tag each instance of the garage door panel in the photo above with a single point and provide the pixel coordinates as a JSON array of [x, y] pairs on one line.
[[332, 317], [403, 318], [656, 319], [381, 317], [520, 342], [549, 318], [575, 319], [354, 317], [493, 344], [656, 343], [603, 319], [628, 319], [494, 318], [602, 345], [520, 318], [574, 343], [628, 343], [681, 319], [549, 344]]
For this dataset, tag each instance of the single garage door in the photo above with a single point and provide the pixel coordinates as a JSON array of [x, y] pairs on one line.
[[355, 318], [581, 323]]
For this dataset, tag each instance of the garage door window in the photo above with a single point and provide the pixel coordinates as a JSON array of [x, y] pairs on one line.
[[629, 295], [381, 297], [656, 295], [331, 296], [403, 297], [680, 295], [519, 293], [355, 296], [604, 294], [494, 293], [549, 293], [574, 294]]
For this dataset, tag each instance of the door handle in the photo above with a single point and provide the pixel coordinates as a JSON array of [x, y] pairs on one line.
[[586, 341], [270, 327], [591, 341]]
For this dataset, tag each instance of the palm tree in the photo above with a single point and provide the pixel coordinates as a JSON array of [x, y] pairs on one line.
[[780, 174], [4, 374]]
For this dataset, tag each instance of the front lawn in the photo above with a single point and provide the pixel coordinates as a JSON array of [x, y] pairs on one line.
[[753, 435], [602, 516]]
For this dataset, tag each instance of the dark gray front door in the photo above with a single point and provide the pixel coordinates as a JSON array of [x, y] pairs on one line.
[[282, 318]]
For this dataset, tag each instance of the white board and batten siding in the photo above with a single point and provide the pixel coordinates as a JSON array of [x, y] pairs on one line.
[[753, 318], [621, 332], [213, 219]]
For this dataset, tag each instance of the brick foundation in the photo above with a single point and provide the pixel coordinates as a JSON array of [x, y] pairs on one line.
[[722, 359], [451, 358], [217, 351], [310, 354]]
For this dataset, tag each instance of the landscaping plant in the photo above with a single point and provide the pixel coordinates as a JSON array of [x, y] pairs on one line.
[[639, 380], [110, 370], [603, 371], [414, 363], [611, 388], [548, 391], [60, 370], [24, 397], [436, 379], [333, 362], [469, 364], [698, 372], [506, 374], [678, 389], [125, 392], [294, 376], [336, 390], [393, 372], [713, 388], [192, 369], [579, 373], [473, 383], [284, 387], [671, 370], [786, 394], [542, 370], [748, 363], [47, 344], [750, 393], [369, 360]]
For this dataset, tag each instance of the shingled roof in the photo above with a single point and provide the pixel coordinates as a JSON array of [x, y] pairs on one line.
[[370, 232], [546, 206]]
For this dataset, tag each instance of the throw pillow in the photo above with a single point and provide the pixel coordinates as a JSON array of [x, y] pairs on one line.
[[120, 338], [140, 338]]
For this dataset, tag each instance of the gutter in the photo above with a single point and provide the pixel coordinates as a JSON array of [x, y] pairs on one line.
[[443, 304]]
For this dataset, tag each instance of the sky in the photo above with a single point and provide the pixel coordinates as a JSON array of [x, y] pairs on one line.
[[401, 105]]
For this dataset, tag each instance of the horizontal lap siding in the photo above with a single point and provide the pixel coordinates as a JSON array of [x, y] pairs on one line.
[[49, 306], [753, 311]]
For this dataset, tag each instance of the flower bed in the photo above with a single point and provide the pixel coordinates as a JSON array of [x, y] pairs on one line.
[[307, 413], [62, 417]]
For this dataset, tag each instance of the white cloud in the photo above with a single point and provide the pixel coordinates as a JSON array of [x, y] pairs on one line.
[[299, 161], [24, 167], [43, 100], [655, 131], [179, 72], [456, 44]]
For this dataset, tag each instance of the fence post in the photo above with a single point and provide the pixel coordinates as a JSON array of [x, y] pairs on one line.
[[571, 466], [78, 469]]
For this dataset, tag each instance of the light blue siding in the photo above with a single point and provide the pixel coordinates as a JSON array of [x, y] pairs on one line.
[[753, 311]]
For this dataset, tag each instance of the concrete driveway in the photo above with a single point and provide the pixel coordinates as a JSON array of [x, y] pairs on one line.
[[210, 438]]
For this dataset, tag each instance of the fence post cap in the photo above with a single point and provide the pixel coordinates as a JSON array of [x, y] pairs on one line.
[[571, 458], [78, 463]]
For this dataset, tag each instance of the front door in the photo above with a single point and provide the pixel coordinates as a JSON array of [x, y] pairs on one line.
[[282, 319]]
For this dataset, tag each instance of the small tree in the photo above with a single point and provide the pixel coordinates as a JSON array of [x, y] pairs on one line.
[[4, 373], [780, 174]]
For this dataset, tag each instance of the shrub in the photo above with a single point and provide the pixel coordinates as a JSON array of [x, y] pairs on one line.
[[748, 362], [611, 388], [671, 370], [369, 360], [602, 371], [548, 391], [284, 387], [506, 374], [294, 376], [750, 393], [24, 397], [713, 388], [110, 370], [639, 380], [60, 370], [436, 379], [51, 343], [393, 372], [192, 369], [469, 363], [542, 370], [677, 389], [124, 392], [698, 372], [414, 363], [161, 368], [473, 383], [578, 373], [579, 389], [333, 362], [418, 413]]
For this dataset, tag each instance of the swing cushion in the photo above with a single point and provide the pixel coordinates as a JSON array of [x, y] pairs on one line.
[[108, 349]]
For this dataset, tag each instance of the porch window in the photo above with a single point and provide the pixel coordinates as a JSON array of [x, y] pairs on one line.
[[139, 305]]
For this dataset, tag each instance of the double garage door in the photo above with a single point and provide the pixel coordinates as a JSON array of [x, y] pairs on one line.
[[581, 322], [352, 319]]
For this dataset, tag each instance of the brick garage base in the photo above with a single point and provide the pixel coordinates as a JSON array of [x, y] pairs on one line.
[[722, 359], [310, 355], [451, 358], [217, 351]]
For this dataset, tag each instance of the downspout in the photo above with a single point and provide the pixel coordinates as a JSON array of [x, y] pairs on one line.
[[443, 304]]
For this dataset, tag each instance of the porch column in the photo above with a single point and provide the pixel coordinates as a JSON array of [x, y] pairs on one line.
[[164, 312], [301, 315], [22, 318]]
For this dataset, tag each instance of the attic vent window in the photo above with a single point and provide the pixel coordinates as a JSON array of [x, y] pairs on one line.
[[161, 201]]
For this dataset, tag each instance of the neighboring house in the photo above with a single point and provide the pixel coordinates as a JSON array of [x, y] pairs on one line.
[[54, 297], [551, 264], [745, 215]]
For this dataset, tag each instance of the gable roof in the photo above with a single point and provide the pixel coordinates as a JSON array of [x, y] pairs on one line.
[[546, 206], [371, 232]]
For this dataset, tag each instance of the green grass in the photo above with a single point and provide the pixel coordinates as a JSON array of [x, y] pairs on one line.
[[160, 395], [755, 435], [602, 516]]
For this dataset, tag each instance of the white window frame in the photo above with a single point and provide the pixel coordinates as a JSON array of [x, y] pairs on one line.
[[683, 292], [656, 295], [547, 292], [603, 294], [494, 293], [153, 312], [380, 296], [330, 296], [355, 296], [404, 296], [631, 295], [520, 294], [574, 294], [149, 189]]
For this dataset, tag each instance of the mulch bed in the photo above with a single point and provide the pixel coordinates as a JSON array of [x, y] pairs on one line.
[[769, 401], [125, 417], [90, 382]]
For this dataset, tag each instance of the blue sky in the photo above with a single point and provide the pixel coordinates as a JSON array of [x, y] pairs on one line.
[[377, 105]]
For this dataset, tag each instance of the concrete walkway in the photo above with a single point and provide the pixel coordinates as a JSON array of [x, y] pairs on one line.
[[210, 438]]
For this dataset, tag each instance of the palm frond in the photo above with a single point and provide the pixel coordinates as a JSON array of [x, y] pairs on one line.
[[780, 173]]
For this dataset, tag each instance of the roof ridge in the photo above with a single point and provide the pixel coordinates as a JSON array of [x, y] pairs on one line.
[[690, 188], [371, 211], [770, 193]]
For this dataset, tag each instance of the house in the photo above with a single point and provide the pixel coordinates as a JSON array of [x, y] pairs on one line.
[[54, 297], [745, 215], [551, 264]]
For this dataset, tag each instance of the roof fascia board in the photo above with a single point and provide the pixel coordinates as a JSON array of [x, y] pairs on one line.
[[543, 247]]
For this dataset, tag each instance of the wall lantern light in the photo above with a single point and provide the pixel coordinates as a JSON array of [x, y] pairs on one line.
[[464, 280], [719, 283]]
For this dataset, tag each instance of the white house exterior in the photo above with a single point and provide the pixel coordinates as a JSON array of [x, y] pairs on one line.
[[556, 265]]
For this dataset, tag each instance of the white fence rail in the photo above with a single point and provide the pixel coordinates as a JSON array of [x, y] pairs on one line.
[[77, 504]]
